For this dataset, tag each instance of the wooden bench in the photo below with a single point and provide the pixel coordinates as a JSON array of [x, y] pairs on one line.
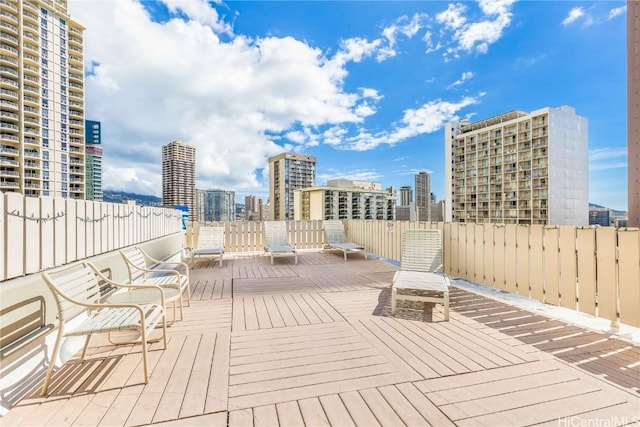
[[76, 289]]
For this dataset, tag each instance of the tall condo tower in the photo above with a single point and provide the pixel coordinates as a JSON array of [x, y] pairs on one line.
[[519, 168], [633, 111], [423, 196], [406, 195], [288, 172], [215, 205], [93, 160], [42, 149], [179, 176]]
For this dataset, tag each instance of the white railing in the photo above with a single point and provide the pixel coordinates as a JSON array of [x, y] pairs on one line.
[[39, 233]]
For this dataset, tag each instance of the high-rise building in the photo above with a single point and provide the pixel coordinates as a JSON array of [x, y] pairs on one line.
[[344, 199], [633, 111], [423, 196], [42, 99], [288, 172], [406, 195], [93, 160], [253, 208], [519, 168], [179, 176], [215, 205]]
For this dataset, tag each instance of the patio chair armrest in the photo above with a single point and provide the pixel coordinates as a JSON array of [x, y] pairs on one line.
[[161, 262]]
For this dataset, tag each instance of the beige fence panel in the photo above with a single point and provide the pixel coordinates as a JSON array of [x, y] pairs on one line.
[[102, 228], [607, 274], [551, 265], [15, 234], [479, 250], [32, 235], [462, 251], [489, 251], [522, 260], [90, 227], [3, 240], [47, 224], [586, 253], [71, 229], [470, 249], [568, 267], [455, 243], [446, 250], [536, 269], [629, 276], [60, 232], [81, 231], [510, 258], [499, 277]]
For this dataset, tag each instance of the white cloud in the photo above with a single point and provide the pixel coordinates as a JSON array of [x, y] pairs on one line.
[[607, 158], [453, 16], [465, 76], [617, 11], [472, 36], [355, 175], [573, 15], [157, 82]]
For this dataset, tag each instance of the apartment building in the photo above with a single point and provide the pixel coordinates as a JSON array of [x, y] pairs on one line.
[[406, 195], [253, 208], [344, 199], [423, 196], [519, 168], [288, 172], [42, 149], [215, 205], [93, 160], [633, 111], [179, 176]]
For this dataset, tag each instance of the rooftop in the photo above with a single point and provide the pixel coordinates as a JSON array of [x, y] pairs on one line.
[[315, 343]]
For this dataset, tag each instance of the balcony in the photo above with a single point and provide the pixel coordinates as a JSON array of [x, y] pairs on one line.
[[315, 342]]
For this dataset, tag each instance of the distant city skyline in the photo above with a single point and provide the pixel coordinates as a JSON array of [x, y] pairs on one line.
[[366, 95]]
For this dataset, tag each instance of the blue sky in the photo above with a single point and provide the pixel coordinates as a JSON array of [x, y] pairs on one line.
[[364, 86]]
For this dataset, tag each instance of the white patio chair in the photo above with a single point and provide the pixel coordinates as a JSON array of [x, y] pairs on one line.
[[421, 270], [146, 270], [276, 239], [76, 289], [337, 238], [210, 244]]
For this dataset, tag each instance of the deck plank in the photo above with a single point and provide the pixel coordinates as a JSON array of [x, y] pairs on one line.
[[313, 412], [358, 409], [336, 411], [289, 414]]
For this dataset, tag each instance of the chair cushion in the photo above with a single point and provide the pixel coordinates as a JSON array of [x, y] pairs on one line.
[[419, 280], [207, 251]]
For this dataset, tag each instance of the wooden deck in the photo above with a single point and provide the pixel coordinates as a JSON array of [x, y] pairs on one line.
[[315, 344]]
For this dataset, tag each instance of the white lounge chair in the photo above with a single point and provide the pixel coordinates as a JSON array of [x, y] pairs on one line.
[[210, 244], [421, 270], [276, 239], [76, 289], [337, 239]]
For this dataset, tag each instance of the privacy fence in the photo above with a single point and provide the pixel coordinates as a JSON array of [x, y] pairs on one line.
[[593, 270], [38, 233]]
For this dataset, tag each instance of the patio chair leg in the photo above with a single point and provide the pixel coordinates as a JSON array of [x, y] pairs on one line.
[[345, 256], [394, 291], [86, 345], [446, 306], [52, 362], [144, 355]]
